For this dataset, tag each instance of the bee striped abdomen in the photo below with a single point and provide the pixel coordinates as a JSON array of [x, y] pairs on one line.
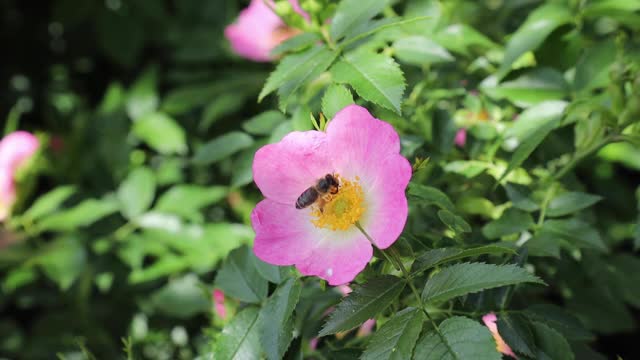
[[307, 198]]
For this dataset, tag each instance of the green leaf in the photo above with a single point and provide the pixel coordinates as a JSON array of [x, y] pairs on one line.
[[295, 43], [239, 277], [520, 197], [182, 298], [161, 132], [83, 214], [263, 123], [462, 38], [142, 97], [219, 107], [540, 23], [419, 50], [222, 147], [335, 98], [240, 338], [592, 69], [551, 344], [468, 169], [531, 88], [273, 273], [512, 221], [136, 193], [63, 261], [559, 319], [431, 195], [534, 118], [396, 338], [528, 146], [516, 331], [576, 232], [296, 70], [462, 338], [275, 318], [49, 202], [570, 202], [186, 200], [351, 14], [465, 278], [363, 303], [375, 77], [435, 257], [453, 221]]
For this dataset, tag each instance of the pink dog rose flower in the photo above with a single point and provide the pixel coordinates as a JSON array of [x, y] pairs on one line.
[[502, 347], [15, 149], [258, 30], [362, 154], [461, 137], [218, 302]]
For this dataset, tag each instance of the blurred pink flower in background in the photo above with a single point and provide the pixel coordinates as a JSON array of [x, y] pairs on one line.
[[218, 302], [15, 149], [366, 328], [258, 30], [502, 347], [461, 137], [363, 153]]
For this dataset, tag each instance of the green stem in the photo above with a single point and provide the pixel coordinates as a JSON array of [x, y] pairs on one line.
[[579, 156], [545, 203], [397, 262]]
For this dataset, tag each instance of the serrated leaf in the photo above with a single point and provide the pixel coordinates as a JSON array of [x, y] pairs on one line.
[[136, 192], [186, 199], [161, 132], [352, 13], [576, 232], [240, 338], [272, 273], [396, 338], [528, 146], [431, 195], [516, 332], [375, 77], [222, 147], [239, 277], [335, 98], [512, 221], [275, 318], [570, 202], [296, 70], [363, 303], [453, 221], [540, 23], [84, 214], [295, 43], [419, 50], [264, 123], [49, 202], [465, 278], [559, 319], [435, 257], [462, 338], [551, 344]]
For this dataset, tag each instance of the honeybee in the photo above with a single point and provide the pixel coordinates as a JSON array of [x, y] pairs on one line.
[[328, 185]]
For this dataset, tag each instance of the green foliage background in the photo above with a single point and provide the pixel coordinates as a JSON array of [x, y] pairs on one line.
[[129, 216]]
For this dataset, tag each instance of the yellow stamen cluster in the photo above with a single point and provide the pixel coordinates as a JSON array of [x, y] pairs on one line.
[[340, 211]]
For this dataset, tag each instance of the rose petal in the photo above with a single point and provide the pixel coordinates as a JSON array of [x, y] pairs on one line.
[[387, 205], [284, 170], [338, 258], [359, 143], [502, 347], [284, 234], [15, 148], [251, 36]]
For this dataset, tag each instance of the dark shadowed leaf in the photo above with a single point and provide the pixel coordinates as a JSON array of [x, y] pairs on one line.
[[239, 277], [240, 338], [363, 303], [396, 338]]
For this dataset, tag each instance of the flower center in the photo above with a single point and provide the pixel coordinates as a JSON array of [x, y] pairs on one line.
[[341, 210]]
